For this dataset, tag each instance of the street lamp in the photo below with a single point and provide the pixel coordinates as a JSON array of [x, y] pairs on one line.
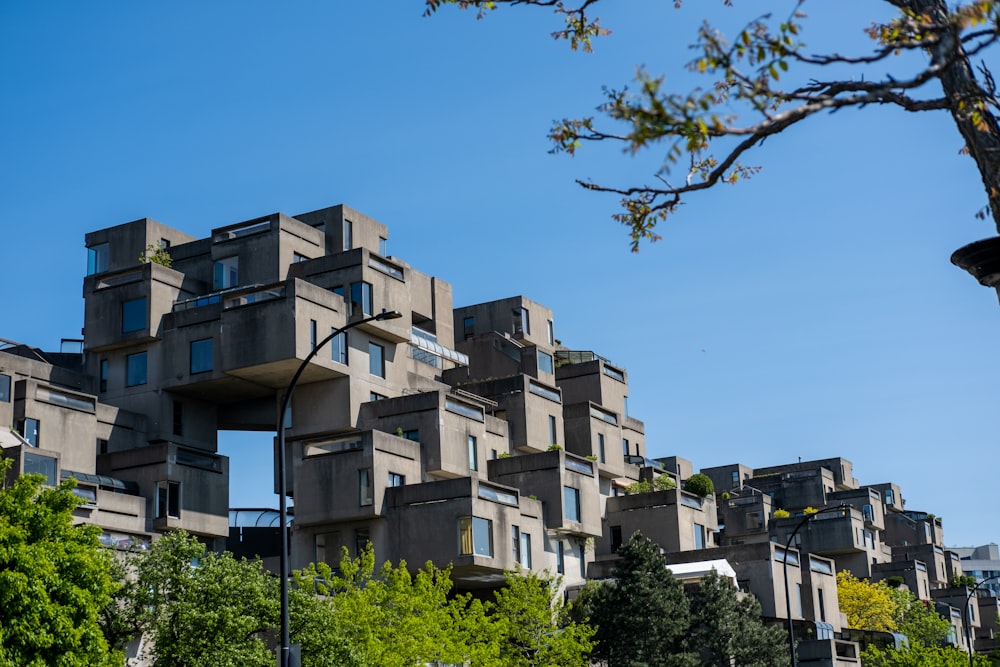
[[968, 620], [284, 653], [788, 596]]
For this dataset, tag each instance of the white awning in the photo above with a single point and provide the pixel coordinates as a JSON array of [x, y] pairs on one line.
[[699, 569], [439, 350]]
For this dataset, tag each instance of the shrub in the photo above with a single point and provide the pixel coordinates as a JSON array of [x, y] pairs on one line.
[[699, 484]]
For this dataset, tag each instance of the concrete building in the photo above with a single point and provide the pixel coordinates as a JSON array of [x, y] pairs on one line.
[[469, 435]]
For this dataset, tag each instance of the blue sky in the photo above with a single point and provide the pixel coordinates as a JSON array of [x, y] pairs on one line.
[[811, 312]]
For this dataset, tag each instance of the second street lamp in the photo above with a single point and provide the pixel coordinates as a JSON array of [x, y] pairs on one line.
[[285, 650]]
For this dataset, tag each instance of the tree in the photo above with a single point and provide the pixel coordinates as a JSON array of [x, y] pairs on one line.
[[704, 136], [641, 618], [919, 621], [54, 579], [868, 606], [727, 629], [534, 627], [198, 607], [699, 484], [919, 656]]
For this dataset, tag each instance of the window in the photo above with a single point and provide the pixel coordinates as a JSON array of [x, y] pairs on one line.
[[736, 479], [298, 257], [134, 315], [338, 347], [178, 418], [571, 502], [375, 396], [412, 434], [600, 448], [475, 536], [312, 334], [550, 332], [364, 487], [520, 322], [699, 536], [583, 561], [890, 498], [135, 369], [383, 247], [625, 446], [798, 596], [348, 234], [201, 355], [616, 537], [4, 388], [168, 500], [40, 465], [376, 360], [395, 479], [868, 513], [545, 362], [553, 431], [103, 381], [468, 327], [361, 298], [473, 454], [494, 455], [362, 538], [525, 551], [821, 605], [515, 538], [97, 259], [560, 557], [227, 273]]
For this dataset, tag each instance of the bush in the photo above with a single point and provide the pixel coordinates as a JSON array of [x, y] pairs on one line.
[[699, 484], [781, 514]]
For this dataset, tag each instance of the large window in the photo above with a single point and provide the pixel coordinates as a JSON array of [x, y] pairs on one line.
[[201, 355], [475, 536], [168, 500], [135, 369], [29, 429], [521, 322], [97, 259], [338, 347], [473, 453], [395, 479], [134, 315], [41, 465], [227, 273], [4, 388], [699, 536], [545, 362], [364, 487], [361, 298], [571, 502], [521, 543], [376, 360]]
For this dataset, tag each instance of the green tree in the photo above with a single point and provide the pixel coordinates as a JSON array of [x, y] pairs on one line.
[[919, 621], [919, 656], [727, 629], [868, 606], [699, 484], [54, 579], [198, 607], [533, 626], [642, 618], [705, 137]]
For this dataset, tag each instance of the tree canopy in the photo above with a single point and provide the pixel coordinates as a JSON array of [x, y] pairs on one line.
[[708, 132], [54, 579]]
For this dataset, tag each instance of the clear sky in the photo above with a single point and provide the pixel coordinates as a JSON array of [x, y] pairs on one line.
[[811, 312]]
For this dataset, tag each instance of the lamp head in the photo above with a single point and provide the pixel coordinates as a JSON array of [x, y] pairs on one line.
[[388, 315]]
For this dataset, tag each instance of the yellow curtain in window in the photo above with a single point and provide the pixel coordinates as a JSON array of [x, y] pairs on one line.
[[465, 535]]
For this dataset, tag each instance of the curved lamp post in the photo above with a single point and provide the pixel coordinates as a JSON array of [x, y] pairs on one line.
[[968, 621], [284, 653], [788, 596]]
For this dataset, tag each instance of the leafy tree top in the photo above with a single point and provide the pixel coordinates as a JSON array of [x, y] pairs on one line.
[[708, 132], [699, 484]]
